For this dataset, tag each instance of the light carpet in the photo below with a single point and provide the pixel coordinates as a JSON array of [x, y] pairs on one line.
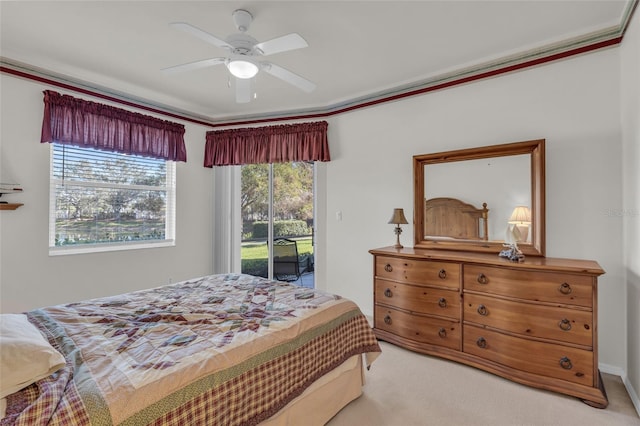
[[404, 388]]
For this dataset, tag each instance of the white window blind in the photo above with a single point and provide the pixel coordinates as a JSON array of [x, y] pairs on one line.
[[101, 200]]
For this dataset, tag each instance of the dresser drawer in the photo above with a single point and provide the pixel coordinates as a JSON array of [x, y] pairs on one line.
[[418, 328], [530, 285], [563, 325], [426, 300], [445, 274], [546, 359]]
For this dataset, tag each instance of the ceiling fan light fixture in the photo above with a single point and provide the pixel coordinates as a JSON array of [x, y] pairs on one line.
[[242, 68]]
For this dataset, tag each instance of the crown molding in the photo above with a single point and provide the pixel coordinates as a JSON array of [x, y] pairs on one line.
[[590, 42]]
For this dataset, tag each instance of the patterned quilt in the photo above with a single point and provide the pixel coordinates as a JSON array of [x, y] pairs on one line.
[[217, 350]]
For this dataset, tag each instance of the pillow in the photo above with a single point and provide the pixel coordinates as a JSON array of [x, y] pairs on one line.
[[25, 355]]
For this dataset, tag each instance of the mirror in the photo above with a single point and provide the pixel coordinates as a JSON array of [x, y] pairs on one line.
[[472, 199]]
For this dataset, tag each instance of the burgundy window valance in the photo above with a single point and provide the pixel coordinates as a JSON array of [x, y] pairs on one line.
[[87, 124], [272, 144]]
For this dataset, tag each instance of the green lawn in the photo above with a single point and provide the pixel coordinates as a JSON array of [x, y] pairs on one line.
[[258, 250], [254, 255]]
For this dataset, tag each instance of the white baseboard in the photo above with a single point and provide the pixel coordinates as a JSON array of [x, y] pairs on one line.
[[610, 369], [632, 394]]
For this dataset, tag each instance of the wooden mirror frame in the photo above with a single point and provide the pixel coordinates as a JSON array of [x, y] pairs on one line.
[[534, 147]]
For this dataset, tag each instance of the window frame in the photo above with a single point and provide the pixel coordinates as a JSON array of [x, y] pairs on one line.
[[170, 214]]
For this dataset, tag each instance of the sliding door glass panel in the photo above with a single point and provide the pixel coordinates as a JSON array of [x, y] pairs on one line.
[[254, 208], [277, 209], [293, 220]]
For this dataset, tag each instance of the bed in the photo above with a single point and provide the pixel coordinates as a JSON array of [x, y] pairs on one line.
[[221, 349], [450, 218]]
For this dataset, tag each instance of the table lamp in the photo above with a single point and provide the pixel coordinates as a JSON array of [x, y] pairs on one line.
[[520, 219], [398, 219]]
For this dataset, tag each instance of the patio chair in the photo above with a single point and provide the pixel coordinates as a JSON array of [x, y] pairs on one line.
[[286, 261]]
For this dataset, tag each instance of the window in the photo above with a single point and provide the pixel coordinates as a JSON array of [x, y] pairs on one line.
[[102, 201]]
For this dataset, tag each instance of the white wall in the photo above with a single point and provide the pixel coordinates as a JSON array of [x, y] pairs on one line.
[[630, 55], [573, 104], [29, 277]]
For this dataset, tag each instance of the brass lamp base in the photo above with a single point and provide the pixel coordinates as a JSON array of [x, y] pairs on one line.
[[398, 231]]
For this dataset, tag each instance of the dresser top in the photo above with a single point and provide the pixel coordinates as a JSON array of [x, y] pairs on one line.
[[530, 262]]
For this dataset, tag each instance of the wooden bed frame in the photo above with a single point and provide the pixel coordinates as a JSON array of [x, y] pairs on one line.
[[452, 218]]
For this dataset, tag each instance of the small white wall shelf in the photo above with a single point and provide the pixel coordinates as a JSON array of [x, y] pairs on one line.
[[10, 206]]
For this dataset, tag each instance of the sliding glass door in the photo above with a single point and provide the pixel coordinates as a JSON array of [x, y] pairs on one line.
[[277, 208]]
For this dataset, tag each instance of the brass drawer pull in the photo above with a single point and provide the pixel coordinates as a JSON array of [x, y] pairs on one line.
[[566, 363], [482, 310], [388, 268], [442, 332], [388, 293], [387, 320], [481, 342], [564, 324], [442, 302], [564, 288], [482, 279], [442, 274]]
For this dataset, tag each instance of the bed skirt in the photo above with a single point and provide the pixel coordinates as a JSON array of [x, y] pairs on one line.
[[325, 398]]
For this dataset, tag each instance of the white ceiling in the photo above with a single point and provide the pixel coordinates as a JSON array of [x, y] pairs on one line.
[[357, 51]]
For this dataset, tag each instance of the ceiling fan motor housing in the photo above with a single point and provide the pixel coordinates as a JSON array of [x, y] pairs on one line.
[[243, 44]]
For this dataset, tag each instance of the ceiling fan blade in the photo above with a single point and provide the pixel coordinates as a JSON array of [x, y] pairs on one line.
[[282, 44], [194, 65], [201, 34], [289, 77], [243, 90]]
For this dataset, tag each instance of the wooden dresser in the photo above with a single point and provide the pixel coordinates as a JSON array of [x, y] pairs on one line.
[[533, 322]]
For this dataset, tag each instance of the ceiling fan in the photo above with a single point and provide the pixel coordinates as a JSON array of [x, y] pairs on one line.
[[244, 54]]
